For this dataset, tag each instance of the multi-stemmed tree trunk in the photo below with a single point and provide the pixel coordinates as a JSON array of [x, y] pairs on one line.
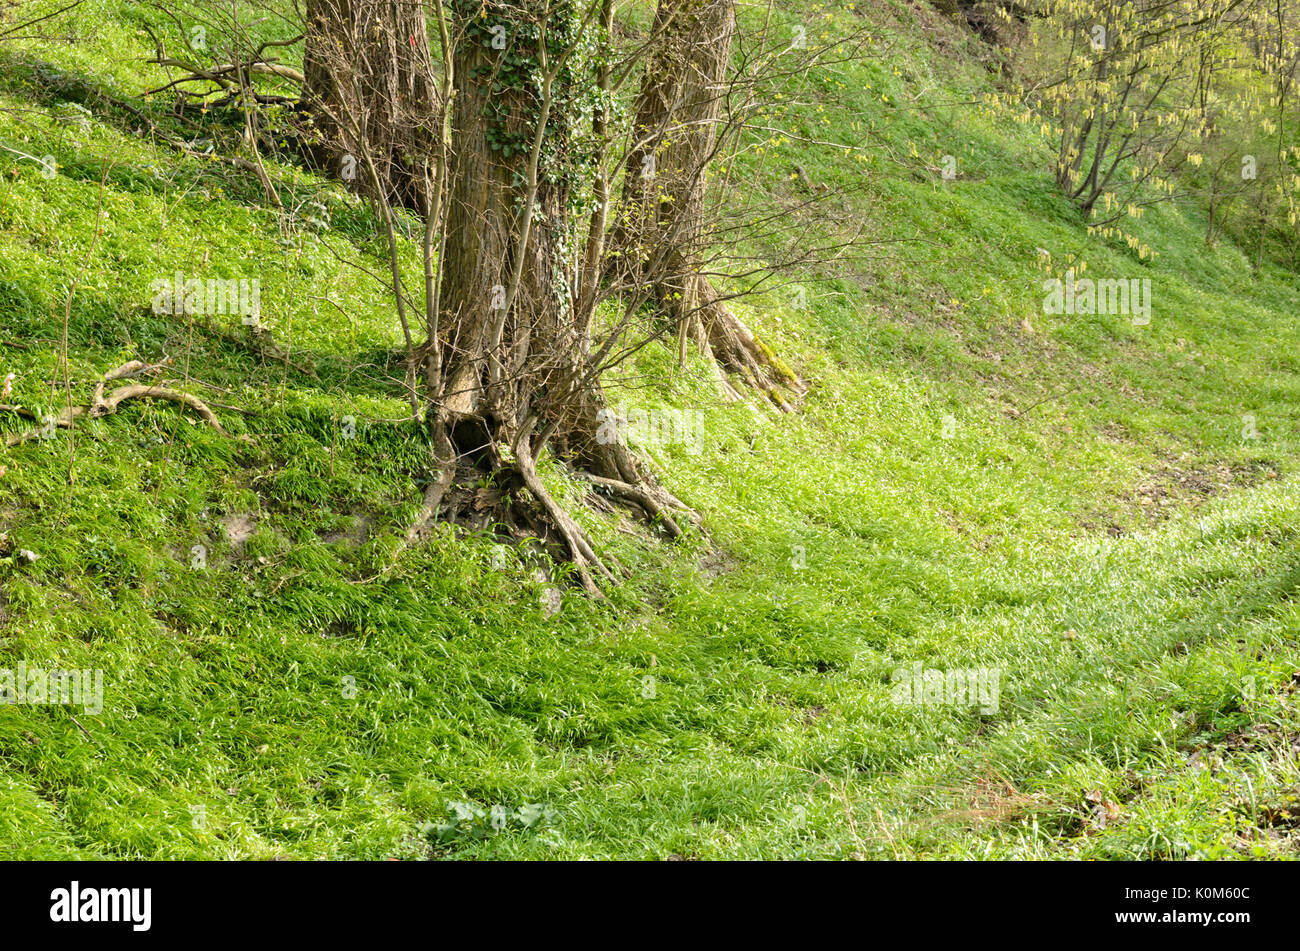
[[506, 363], [370, 93], [661, 229]]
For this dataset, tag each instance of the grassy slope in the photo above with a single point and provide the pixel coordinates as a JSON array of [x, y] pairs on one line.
[[1096, 525]]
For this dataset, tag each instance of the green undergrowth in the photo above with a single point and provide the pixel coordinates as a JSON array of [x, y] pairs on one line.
[[1101, 511]]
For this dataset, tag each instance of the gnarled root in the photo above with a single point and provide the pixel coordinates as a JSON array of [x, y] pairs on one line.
[[723, 336], [479, 489], [583, 556], [102, 404], [654, 501]]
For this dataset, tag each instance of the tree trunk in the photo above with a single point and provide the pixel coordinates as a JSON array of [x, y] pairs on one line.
[[661, 229], [371, 92], [504, 369]]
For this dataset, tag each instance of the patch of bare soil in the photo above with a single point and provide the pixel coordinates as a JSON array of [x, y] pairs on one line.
[[1176, 484], [356, 533], [239, 528], [716, 563]]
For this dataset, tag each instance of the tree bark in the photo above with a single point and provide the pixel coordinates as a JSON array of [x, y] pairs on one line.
[[371, 92], [505, 370], [661, 230]]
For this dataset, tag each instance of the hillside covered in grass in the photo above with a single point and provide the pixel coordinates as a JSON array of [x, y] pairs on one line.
[[1103, 511]]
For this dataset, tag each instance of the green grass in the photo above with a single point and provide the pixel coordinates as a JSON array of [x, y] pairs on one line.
[[1091, 521]]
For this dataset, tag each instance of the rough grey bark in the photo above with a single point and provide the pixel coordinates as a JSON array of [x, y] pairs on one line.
[[661, 229], [370, 90]]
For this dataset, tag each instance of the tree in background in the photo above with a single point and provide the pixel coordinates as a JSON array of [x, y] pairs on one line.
[[369, 88], [661, 224], [1155, 100]]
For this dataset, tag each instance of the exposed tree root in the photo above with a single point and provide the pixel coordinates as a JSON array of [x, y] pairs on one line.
[[227, 76], [736, 350], [103, 404], [478, 489], [653, 501], [687, 298], [581, 552], [231, 77]]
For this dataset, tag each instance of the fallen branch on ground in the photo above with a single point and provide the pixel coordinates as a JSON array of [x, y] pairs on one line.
[[103, 404]]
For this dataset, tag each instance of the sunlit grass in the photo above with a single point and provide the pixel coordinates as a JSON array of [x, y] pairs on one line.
[[1074, 504]]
